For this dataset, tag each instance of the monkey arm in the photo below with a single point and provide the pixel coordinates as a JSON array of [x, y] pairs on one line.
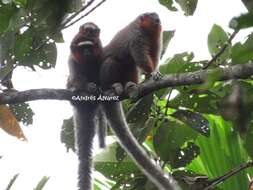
[[116, 119], [142, 57]]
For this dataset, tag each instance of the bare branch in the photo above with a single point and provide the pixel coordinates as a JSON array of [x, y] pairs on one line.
[[69, 19], [231, 173], [86, 14], [241, 71]]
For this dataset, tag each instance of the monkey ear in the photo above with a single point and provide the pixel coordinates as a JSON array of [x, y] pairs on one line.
[[142, 18]]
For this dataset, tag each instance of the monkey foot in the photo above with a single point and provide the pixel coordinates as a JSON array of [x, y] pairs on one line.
[[130, 89], [156, 76], [118, 88]]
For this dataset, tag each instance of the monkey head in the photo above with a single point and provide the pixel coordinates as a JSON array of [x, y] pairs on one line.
[[86, 42], [149, 22]]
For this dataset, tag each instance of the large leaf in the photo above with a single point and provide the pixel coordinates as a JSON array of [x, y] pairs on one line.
[[220, 153], [23, 113], [194, 120], [107, 164], [248, 4], [169, 140], [67, 134], [6, 12], [248, 144], [167, 36], [241, 22], [243, 53], [180, 63], [9, 123], [168, 4], [217, 38], [202, 103], [188, 6]]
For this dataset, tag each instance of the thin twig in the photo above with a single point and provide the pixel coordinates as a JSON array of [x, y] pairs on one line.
[[234, 171], [222, 50], [86, 14], [8, 73], [66, 23], [69, 19]]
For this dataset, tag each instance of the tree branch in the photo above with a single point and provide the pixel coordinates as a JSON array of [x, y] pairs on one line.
[[86, 14], [231, 173], [69, 19], [241, 71]]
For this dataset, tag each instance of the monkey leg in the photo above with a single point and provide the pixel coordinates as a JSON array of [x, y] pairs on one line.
[[116, 119], [84, 121]]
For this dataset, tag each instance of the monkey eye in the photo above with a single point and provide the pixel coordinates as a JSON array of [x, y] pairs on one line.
[[97, 30]]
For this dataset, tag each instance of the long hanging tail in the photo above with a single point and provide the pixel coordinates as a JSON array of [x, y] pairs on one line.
[[84, 121], [102, 128], [116, 119]]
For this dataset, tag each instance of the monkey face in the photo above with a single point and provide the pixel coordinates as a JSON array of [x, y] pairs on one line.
[[149, 21], [86, 42], [89, 31]]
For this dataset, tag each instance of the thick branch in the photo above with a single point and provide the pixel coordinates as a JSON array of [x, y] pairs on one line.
[[241, 71]]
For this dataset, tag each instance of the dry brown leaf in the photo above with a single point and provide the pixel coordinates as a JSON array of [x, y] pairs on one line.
[[9, 123]]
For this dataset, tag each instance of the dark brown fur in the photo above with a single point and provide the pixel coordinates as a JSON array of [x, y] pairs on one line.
[[84, 65], [137, 46]]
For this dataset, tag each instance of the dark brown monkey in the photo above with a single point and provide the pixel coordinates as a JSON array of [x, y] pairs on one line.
[[84, 65], [137, 46]]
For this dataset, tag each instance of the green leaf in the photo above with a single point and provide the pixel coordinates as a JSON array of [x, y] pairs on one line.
[[242, 22], [203, 103], [188, 6], [167, 36], [42, 183], [194, 120], [220, 153], [185, 155], [67, 134], [6, 13], [23, 45], [23, 113], [248, 4], [180, 63], [170, 137], [44, 57], [243, 53], [107, 164], [75, 5], [217, 38], [168, 4], [138, 115], [22, 3], [248, 143]]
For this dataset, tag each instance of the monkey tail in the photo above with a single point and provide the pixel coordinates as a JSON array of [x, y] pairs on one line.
[[102, 128], [85, 125], [116, 119]]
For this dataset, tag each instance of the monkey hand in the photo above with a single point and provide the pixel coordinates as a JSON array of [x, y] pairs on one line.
[[92, 88], [118, 88], [131, 90]]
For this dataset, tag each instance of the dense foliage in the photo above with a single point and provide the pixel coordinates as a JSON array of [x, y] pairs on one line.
[[198, 133]]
